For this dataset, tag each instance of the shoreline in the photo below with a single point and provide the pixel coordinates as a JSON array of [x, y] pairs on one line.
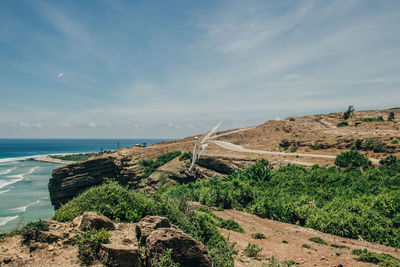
[[49, 159]]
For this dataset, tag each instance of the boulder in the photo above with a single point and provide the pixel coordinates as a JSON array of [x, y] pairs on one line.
[[96, 221], [148, 224], [185, 250], [119, 255]]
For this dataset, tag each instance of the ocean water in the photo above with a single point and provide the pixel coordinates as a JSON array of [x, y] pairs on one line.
[[24, 196]]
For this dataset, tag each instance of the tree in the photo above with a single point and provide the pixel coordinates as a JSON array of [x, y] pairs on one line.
[[391, 116], [348, 112], [352, 159]]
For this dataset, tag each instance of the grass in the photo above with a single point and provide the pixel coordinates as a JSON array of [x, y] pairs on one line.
[[318, 240], [380, 259]]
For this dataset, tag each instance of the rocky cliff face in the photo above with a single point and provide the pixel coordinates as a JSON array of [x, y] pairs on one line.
[[71, 180]]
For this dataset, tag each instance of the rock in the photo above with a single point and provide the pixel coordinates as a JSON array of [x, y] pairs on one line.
[[96, 221], [185, 250], [50, 248], [119, 255], [148, 224]]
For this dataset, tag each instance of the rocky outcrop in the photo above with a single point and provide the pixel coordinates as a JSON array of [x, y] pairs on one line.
[[149, 224], [71, 180], [185, 250], [94, 220]]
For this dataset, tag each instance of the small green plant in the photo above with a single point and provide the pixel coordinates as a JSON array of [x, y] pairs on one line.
[[164, 259], [318, 240], [342, 124], [230, 225], [292, 119], [348, 112], [380, 259], [285, 242], [150, 166], [339, 246], [380, 118], [89, 244], [31, 231], [391, 116], [252, 250], [394, 142], [276, 263], [389, 160], [185, 156], [2, 239], [352, 159], [306, 246], [258, 236], [293, 149]]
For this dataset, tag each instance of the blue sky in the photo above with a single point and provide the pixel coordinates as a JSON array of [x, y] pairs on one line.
[[169, 69]]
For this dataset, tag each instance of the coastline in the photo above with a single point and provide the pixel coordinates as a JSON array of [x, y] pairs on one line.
[[49, 159]]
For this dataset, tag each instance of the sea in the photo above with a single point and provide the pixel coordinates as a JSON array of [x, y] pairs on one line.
[[24, 195]]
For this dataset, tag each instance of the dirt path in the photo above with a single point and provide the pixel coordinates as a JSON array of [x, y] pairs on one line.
[[275, 246], [238, 148]]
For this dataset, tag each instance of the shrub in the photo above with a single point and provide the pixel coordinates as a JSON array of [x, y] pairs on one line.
[[342, 124], [89, 244], [339, 246], [306, 246], [258, 236], [380, 118], [380, 259], [389, 160], [394, 142], [285, 242], [252, 250], [164, 259], [292, 119], [31, 230], [150, 166], [352, 159], [373, 144], [185, 156], [230, 225], [318, 240]]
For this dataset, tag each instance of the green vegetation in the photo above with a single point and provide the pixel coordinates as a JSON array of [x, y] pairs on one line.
[[292, 119], [252, 250], [305, 246], [391, 116], [380, 118], [164, 259], [31, 230], [380, 259], [80, 157], [285, 242], [226, 224], [318, 240], [339, 246], [346, 201], [150, 166], [89, 244], [371, 144], [276, 263], [352, 159], [348, 112], [258, 236], [395, 142], [185, 156], [342, 124], [389, 160], [123, 205]]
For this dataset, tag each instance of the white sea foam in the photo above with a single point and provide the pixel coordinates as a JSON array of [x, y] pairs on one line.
[[11, 160], [5, 191], [19, 177], [5, 220], [23, 208], [7, 171]]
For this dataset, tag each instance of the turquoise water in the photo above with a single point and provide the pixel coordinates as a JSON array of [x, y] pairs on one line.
[[24, 195]]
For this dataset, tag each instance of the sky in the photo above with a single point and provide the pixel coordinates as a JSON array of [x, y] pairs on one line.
[[170, 69]]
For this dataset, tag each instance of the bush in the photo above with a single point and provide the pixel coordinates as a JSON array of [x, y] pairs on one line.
[[31, 230], [342, 124], [306, 246], [252, 250], [186, 156], [150, 166], [394, 142], [380, 259], [380, 118], [389, 160], [352, 159], [292, 119], [391, 116], [89, 244], [318, 240], [258, 236], [164, 259], [373, 144]]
